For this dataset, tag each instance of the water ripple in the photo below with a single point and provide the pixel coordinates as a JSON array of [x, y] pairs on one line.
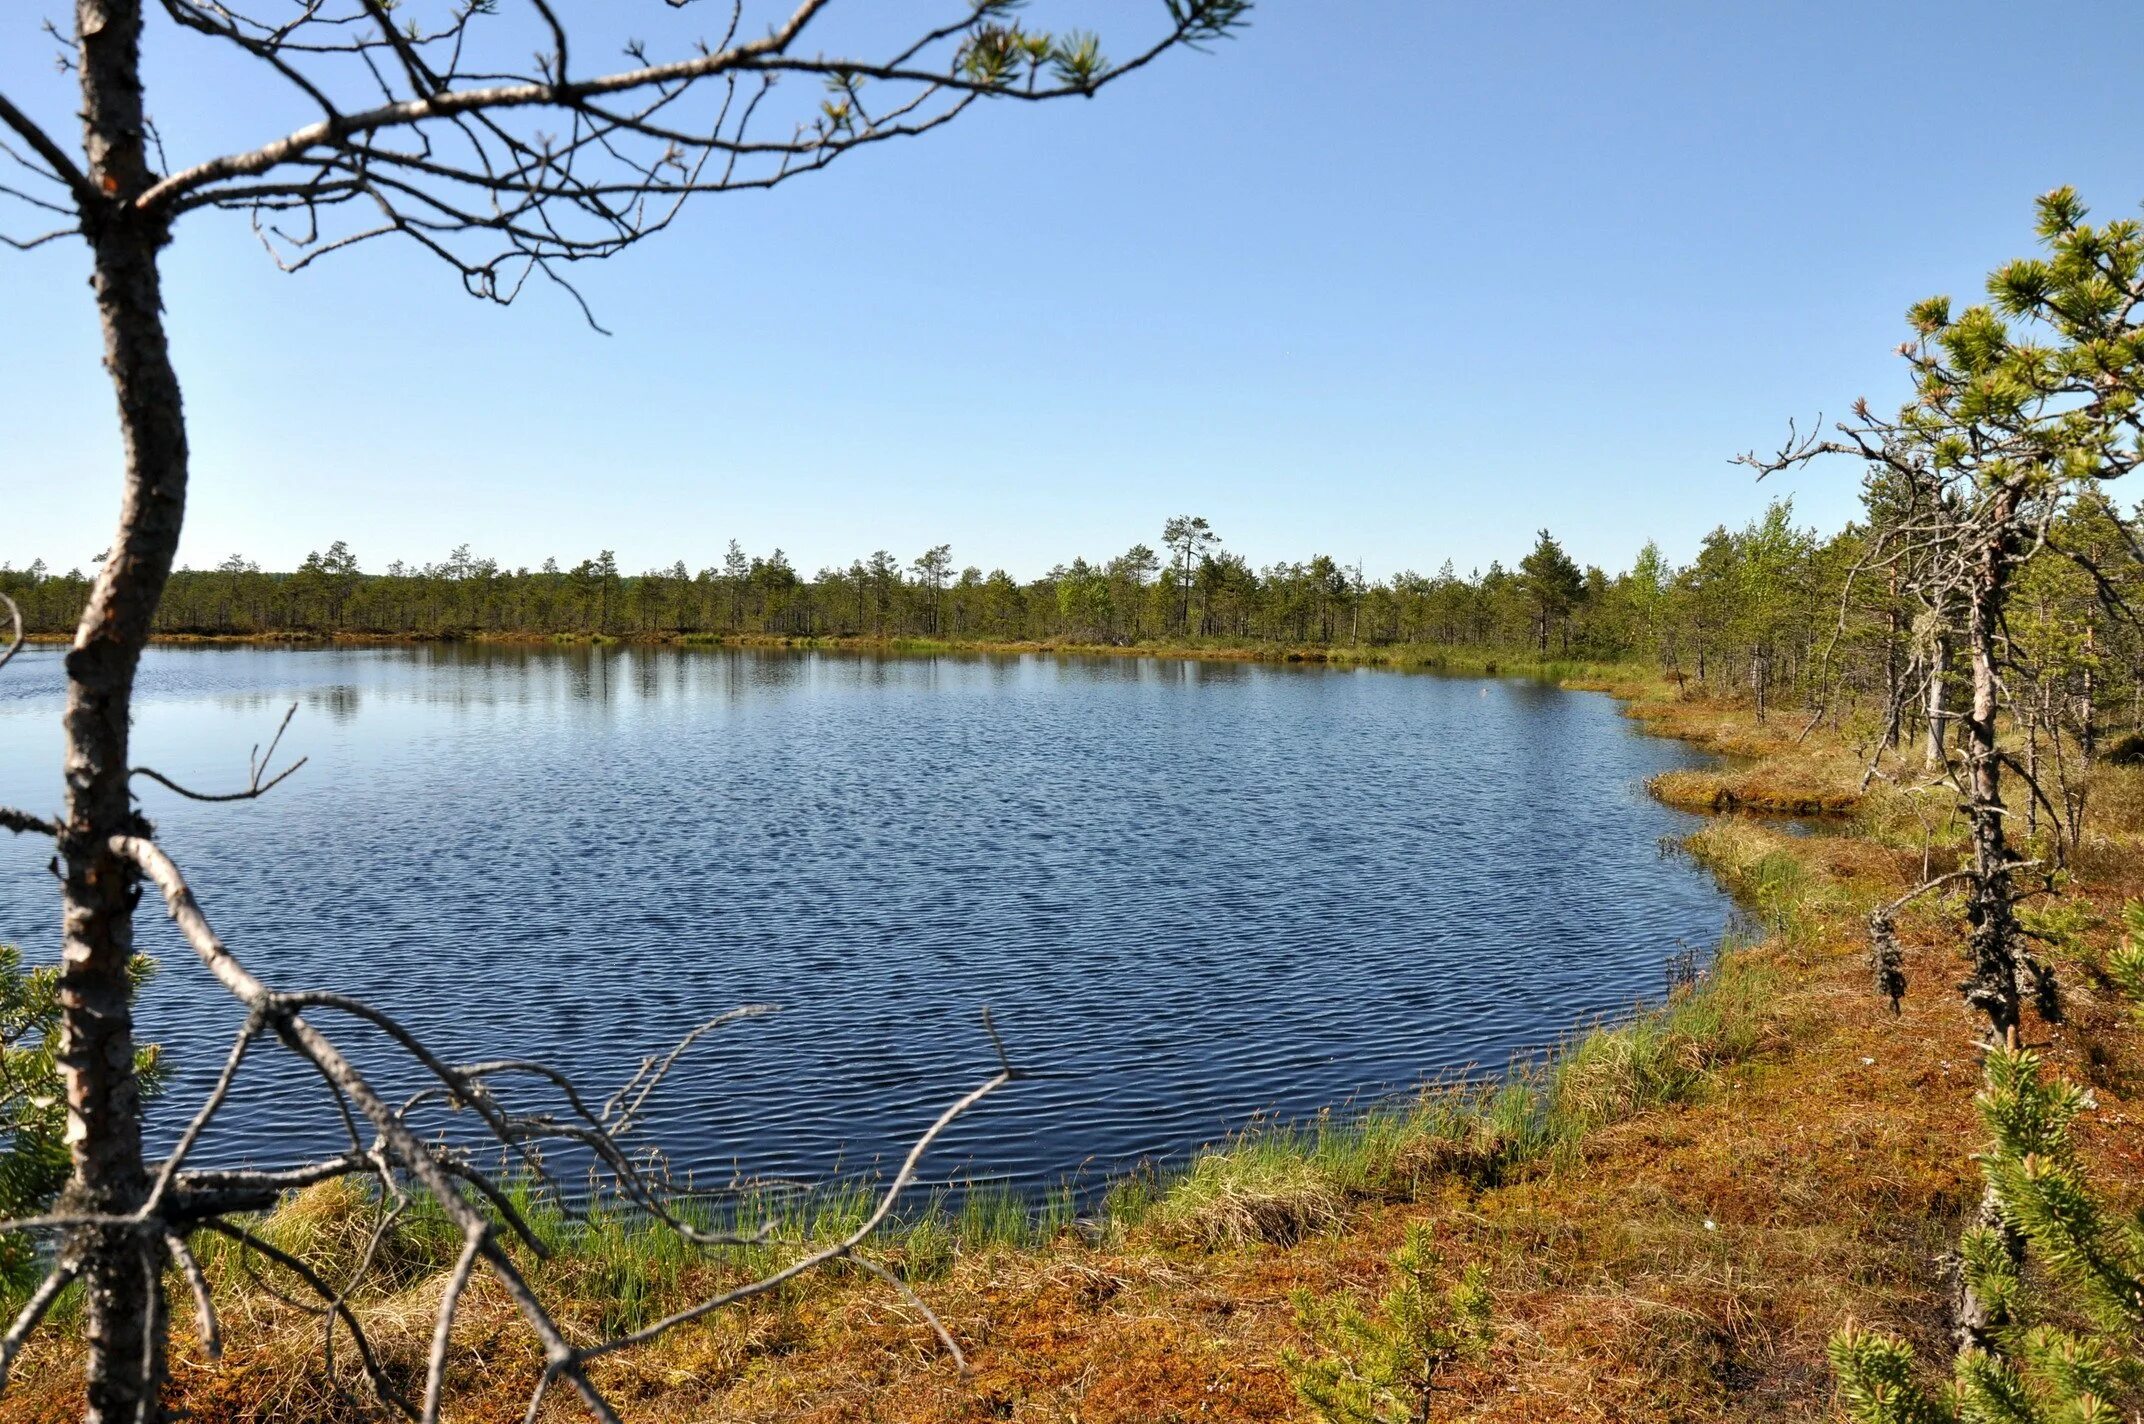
[[1190, 893]]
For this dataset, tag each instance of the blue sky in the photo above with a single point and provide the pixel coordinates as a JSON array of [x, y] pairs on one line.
[[1394, 280]]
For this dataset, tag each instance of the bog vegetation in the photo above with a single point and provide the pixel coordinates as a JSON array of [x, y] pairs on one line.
[[1962, 668]]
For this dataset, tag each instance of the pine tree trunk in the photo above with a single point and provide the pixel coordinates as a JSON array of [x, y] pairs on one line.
[[124, 1316], [2087, 704], [1993, 987], [1939, 663], [1893, 693]]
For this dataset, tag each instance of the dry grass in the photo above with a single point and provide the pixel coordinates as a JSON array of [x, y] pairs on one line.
[[1252, 1194], [1770, 767], [1675, 1216]]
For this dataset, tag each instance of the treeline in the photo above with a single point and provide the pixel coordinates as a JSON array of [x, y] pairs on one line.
[[1767, 610], [1192, 590]]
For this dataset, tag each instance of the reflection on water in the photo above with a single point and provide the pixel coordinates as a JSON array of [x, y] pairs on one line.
[[1190, 892]]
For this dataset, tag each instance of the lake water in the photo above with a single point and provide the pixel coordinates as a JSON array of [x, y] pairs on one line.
[[1191, 893]]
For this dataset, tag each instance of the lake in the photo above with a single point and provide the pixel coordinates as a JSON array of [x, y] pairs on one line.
[[1191, 893]]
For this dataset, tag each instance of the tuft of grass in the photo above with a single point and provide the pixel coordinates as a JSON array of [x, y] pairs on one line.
[[1280, 1184], [1665, 1057], [333, 1227], [1258, 1191], [1770, 880]]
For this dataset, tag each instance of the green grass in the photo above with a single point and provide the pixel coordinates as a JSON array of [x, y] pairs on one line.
[[1278, 1183], [1668, 1056], [1275, 1183], [621, 1259]]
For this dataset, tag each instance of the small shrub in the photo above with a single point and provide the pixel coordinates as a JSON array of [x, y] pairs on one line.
[[2126, 750], [33, 1104], [1385, 1367]]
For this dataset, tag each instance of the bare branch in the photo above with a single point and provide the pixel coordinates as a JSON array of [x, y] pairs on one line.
[[205, 1322], [445, 151], [42, 144], [48, 1290], [651, 1075], [335, 130], [435, 1369], [15, 634], [915, 1303], [840, 1250], [256, 768], [207, 1198], [23, 823]]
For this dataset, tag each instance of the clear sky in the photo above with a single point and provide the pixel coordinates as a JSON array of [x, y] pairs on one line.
[[1394, 280]]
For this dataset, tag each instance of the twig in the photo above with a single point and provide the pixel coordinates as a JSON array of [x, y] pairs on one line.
[[205, 1323], [48, 1290], [256, 767]]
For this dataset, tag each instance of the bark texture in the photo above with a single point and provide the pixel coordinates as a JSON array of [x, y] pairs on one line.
[[1993, 987], [122, 1268]]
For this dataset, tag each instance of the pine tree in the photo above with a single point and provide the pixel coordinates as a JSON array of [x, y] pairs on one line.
[[1385, 1368], [33, 1108], [2064, 1343]]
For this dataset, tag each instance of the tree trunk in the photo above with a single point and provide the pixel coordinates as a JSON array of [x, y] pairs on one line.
[[1939, 663], [124, 1316], [1993, 987], [1893, 693], [2087, 703]]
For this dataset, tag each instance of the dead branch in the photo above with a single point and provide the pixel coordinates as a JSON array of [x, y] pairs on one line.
[[26, 1320], [22, 823], [15, 633], [256, 767], [205, 1322]]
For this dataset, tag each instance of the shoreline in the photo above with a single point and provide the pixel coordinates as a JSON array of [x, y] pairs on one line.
[[1577, 671], [1775, 1112]]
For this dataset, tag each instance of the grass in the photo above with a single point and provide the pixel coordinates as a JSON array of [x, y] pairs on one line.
[[1672, 1213], [1276, 1185]]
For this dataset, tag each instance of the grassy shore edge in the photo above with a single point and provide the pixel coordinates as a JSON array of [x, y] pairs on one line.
[[1556, 1129]]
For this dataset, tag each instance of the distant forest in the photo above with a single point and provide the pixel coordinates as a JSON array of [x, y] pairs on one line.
[[1758, 609]]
